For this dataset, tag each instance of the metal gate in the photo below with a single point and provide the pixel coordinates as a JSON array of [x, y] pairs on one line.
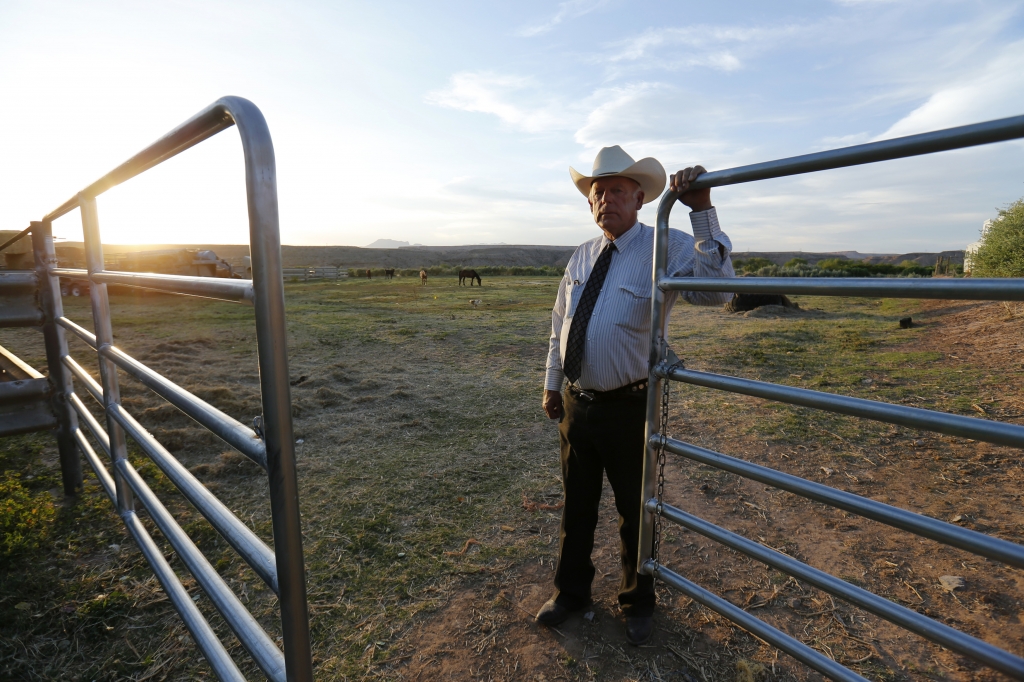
[[270, 443], [664, 366]]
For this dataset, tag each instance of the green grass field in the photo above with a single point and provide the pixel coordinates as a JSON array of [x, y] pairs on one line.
[[419, 415]]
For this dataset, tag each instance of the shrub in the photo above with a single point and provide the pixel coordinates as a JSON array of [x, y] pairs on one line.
[[834, 264], [24, 518], [1002, 248], [751, 264], [793, 262]]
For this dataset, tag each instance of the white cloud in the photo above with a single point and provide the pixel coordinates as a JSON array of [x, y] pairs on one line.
[[492, 93], [657, 119], [566, 10], [994, 91], [711, 46]]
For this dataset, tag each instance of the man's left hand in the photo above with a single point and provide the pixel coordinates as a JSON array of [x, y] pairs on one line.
[[696, 199]]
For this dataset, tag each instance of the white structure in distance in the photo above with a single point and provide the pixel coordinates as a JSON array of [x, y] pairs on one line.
[[972, 249]]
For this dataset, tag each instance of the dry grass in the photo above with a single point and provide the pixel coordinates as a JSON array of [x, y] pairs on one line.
[[421, 429]]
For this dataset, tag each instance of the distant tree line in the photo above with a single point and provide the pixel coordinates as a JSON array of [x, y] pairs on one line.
[[830, 267], [445, 270]]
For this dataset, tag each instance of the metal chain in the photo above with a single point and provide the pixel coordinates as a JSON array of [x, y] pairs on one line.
[[663, 430]]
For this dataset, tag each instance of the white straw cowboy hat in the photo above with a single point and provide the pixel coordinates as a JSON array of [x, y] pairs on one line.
[[614, 162]]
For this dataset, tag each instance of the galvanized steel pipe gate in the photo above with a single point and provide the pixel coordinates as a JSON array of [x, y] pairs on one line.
[[281, 568], [661, 369]]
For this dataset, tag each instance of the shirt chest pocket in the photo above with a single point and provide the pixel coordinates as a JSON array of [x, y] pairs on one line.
[[571, 293], [633, 307]]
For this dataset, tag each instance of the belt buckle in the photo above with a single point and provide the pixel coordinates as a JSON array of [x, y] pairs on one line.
[[583, 394]]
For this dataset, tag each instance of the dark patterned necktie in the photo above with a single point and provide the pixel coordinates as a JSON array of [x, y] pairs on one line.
[[576, 344]]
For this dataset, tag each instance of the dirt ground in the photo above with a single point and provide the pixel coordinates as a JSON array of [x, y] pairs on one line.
[[424, 456], [486, 631]]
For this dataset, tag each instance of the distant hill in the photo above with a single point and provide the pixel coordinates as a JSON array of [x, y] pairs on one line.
[[417, 256], [365, 257], [386, 244]]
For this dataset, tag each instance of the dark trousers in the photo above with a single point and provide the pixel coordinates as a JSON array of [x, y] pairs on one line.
[[597, 438]]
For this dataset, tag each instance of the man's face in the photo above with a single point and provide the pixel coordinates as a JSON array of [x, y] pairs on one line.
[[614, 203]]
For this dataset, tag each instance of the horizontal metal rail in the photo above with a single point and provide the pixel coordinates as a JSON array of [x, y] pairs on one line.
[[223, 667], [925, 526], [231, 431], [915, 417], [18, 280], [23, 391], [900, 615], [91, 385], [248, 545], [79, 331], [255, 640], [30, 420], [21, 316], [102, 475], [773, 636], [219, 288], [999, 130], [200, 127], [98, 432], [251, 548], [27, 407], [898, 287]]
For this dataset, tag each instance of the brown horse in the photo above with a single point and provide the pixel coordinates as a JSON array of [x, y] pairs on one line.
[[470, 275], [389, 273], [423, 277], [369, 273]]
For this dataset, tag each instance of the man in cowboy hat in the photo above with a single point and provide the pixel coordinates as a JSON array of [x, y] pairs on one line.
[[600, 335]]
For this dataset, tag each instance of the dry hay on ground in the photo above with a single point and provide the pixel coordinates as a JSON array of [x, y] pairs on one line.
[[987, 334]]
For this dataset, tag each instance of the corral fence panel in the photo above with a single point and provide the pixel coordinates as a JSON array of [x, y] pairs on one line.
[[33, 298], [665, 366], [319, 272]]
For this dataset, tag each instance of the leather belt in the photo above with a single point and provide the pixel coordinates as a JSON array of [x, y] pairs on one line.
[[635, 389]]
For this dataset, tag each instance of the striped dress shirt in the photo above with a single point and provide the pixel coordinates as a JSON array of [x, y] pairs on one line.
[[619, 335]]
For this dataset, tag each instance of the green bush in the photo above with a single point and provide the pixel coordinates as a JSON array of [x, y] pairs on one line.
[[24, 518], [839, 267], [834, 264], [1002, 248], [793, 262], [751, 264]]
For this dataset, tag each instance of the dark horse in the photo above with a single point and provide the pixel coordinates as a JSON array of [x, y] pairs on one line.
[[389, 273], [470, 275]]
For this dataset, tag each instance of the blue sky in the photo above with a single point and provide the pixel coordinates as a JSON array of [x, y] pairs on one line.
[[455, 123]]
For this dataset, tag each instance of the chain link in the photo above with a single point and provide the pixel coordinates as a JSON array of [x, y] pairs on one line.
[[663, 431]]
